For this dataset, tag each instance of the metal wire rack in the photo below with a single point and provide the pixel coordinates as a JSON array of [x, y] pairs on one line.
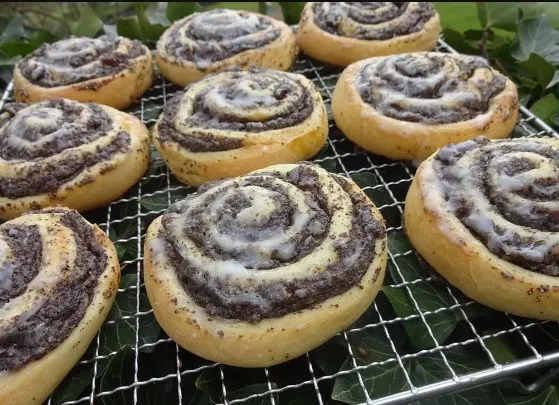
[[151, 361]]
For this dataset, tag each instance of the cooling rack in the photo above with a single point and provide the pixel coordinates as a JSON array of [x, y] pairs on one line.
[[456, 344]]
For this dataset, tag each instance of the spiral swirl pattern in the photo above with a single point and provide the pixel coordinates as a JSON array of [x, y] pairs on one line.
[[77, 60], [48, 144], [50, 263], [270, 243], [430, 87], [204, 38], [227, 110], [372, 20], [506, 193]]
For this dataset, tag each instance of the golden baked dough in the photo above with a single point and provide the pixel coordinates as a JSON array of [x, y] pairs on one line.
[[484, 215], [257, 270], [58, 279], [65, 152], [342, 33], [104, 70], [408, 106], [231, 123], [214, 40]]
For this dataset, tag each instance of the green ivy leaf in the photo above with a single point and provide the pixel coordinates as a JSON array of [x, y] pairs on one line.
[[292, 10], [209, 382], [60, 19], [235, 5], [88, 23], [546, 107], [129, 27], [380, 380], [458, 16], [398, 243], [73, 385], [110, 12], [364, 179], [504, 15], [147, 25], [119, 372], [123, 331], [428, 298], [554, 80], [156, 14], [539, 68], [12, 28], [23, 47], [430, 368], [155, 203], [500, 15], [178, 10], [500, 348], [546, 397], [251, 390], [459, 41], [536, 35]]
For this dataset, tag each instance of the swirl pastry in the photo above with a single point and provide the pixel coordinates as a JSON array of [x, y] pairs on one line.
[[111, 71], [231, 123], [65, 152], [342, 33], [59, 275], [408, 106], [215, 40], [256, 270], [490, 209]]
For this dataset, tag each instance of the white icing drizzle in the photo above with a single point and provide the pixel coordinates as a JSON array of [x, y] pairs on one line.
[[206, 33], [399, 92], [157, 246], [265, 241], [56, 56], [501, 233], [6, 267]]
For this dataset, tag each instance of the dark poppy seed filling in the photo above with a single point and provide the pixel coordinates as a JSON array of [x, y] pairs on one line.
[[374, 20], [222, 238], [76, 60], [430, 87], [60, 302], [38, 133], [253, 101], [506, 193], [204, 38]]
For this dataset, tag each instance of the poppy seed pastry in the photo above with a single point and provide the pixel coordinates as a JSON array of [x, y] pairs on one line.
[[59, 276], [105, 70], [81, 155], [341, 33], [408, 106], [489, 208], [259, 269], [212, 41], [234, 122]]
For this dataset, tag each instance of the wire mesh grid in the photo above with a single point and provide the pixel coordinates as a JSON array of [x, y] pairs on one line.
[[148, 362]]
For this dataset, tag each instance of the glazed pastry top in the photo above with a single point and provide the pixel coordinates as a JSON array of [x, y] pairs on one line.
[[212, 36], [506, 193], [372, 20], [47, 144], [50, 263], [76, 60], [213, 114], [272, 242], [430, 87]]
